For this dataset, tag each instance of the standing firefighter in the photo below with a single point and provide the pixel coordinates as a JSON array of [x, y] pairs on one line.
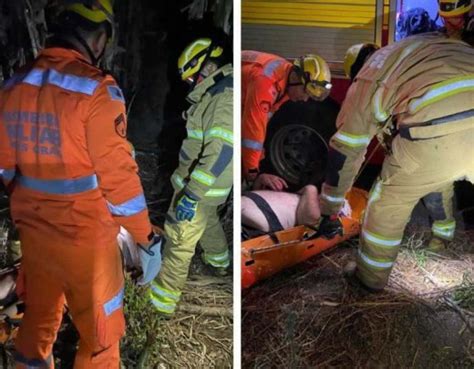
[[203, 180], [439, 204], [268, 81], [68, 167], [420, 91]]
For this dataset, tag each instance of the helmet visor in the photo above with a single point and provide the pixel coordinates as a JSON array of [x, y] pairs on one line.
[[318, 90]]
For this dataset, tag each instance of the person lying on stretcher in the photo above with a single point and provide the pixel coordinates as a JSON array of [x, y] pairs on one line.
[[271, 209]]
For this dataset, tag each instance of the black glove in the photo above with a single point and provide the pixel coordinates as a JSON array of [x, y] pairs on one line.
[[330, 226]]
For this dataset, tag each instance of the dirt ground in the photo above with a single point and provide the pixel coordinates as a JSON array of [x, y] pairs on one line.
[[310, 317]]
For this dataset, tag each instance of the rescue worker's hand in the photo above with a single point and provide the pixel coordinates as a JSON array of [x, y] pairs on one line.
[[150, 259], [330, 226], [272, 182], [186, 208]]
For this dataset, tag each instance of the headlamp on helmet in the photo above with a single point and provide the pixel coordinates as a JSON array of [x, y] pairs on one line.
[[315, 76]]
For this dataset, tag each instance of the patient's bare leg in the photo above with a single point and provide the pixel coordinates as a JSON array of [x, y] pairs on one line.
[[308, 211]]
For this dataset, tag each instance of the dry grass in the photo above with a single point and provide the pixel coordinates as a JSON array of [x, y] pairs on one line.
[[309, 317], [188, 340]]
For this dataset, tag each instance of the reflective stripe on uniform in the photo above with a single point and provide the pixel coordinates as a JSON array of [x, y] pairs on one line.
[[221, 260], [218, 132], [377, 239], [214, 192], [203, 177], [196, 134], [164, 292], [380, 114], [270, 67], [129, 207], [60, 186], [352, 140], [444, 229], [7, 174], [252, 144], [376, 191], [164, 307], [375, 263], [69, 82], [162, 298], [332, 198], [33, 363], [441, 91], [115, 303]]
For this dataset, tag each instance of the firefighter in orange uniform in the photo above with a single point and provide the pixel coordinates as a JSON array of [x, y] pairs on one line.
[[72, 182], [268, 81]]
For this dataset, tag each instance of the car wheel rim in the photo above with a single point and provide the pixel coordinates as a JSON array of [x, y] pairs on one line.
[[299, 154]]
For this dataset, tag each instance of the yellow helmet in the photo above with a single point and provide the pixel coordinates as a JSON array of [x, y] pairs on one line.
[[95, 11], [192, 58], [453, 8], [315, 76], [355, 58]]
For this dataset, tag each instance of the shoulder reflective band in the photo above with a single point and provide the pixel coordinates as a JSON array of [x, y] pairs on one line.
[[442, 91], [375, 263], [128, 208], [332, 198], [7, 174], [195, 133], [116, 93], [270, 67], [203, 177], [252, 144], [60, 186], [379, 240], [114, 304], [352, 140], [69, 82], [380, 114]]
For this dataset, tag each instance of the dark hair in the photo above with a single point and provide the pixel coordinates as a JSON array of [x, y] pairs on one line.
[[364, 53]]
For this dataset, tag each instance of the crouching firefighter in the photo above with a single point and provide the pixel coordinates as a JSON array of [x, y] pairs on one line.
[[69, 170], [424, 84], [203, 179], [268, 81]]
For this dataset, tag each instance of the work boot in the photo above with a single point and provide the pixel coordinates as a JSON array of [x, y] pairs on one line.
[[350, 274], [216, 271], [436, 245]]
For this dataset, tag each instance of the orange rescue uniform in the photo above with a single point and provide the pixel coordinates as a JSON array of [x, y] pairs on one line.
[[73, 183], [264, 81]]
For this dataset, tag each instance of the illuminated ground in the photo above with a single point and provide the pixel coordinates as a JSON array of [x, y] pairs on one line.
[[309, 317]]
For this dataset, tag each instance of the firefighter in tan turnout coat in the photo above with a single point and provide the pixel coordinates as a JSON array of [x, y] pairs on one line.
[[421, 92]]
